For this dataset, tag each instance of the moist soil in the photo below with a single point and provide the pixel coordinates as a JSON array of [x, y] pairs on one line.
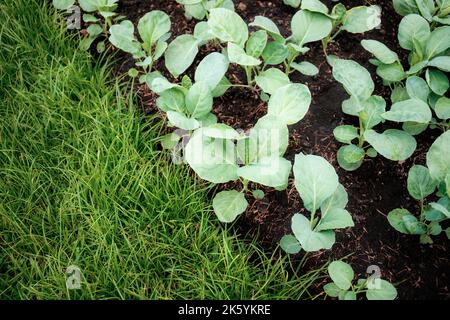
[[379, 186]]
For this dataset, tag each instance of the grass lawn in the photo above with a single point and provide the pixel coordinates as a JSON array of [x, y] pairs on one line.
[[82, 183]]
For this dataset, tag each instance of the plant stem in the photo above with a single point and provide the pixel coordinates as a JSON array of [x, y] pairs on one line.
[[248, 74], [361, 133]]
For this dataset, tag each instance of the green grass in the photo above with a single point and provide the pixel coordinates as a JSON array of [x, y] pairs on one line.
[[81, 183]]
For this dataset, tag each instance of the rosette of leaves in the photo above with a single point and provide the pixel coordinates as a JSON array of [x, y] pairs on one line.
[[344, 287], [153, 29], [219, 154], [199, 9], [99, 14], [420, 91], [315, 18], [393, 144], [188, 105], [422, 183], [432, 10], [320, 190]]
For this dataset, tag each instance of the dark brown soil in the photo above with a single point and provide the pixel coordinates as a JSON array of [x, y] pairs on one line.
[[420, 271]]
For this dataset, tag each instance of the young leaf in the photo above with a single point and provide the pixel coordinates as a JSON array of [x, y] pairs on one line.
[[350, 157], [311, 240], [268, 25], [179, 120], [259, 194], [345, 133], [439, 207], [271, 80], [314, 6], [221, 88], [199, 100], [152, 26], [420, 184], [355, 78], [228, 205], [338, 199], [373, 108], [256, 43], [442, 63], [275, 53], [335, 218], [236, 54], [306, 68], [172, 99], [212, 159], [315, 180], [413, 27], [212, 69], [342, 274], [395, 218], [380, 51], [362, 19], [122, 37], [63, 4], [221, 131], [269, 171], [180, 54], [417, 88], [228, 26], [386, 292], [437, 157], [202, 33], [332, 290], [413, 110], [437, 81], [393, 72], [290, 103], [413, 225], [442, 108], [309, 26], [290, 244], [438, 42], [392, 144]]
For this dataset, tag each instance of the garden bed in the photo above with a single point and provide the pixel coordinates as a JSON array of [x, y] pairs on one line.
[[379, 186]]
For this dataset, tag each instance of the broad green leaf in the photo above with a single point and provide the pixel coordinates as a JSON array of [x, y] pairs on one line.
[[212, 69], [335, 218], [221, 88], [405, 7], [179, 120], [306, 68], [292, 3], [221, 131], [420, 183], [268, 25], [350, 152], [349, 296], [172, 99], [159, 84], [314, 6], [380, 51], [236, 54], [414, 69], [442, 63], [413, 110], [437, 81], [386, 292], [122, 37], [362, 19], [345, 133], [149, 77], [338, 199], [256, 43], [63, 4], [399, 94], [152, 26], [160, 48], [275, 53], [413, 27], [290, 244], [199, 100], [228, 205], [442, 108], [392, 144], [414, 128], [269, 171], [355, 78], [311, 240], [207, 120], [228, 26], [342, 274], [371, 115], [391, 72], [212, 159], [309, 26], [438, 42], [290, 103], [442, 209], [424, 10], [271, 80], [395, 218], [170, 141], [196, 11], [315, 180], [352, 106], [332, 290], [417, 88], [181, 54], [438, 157], [202, 33]]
